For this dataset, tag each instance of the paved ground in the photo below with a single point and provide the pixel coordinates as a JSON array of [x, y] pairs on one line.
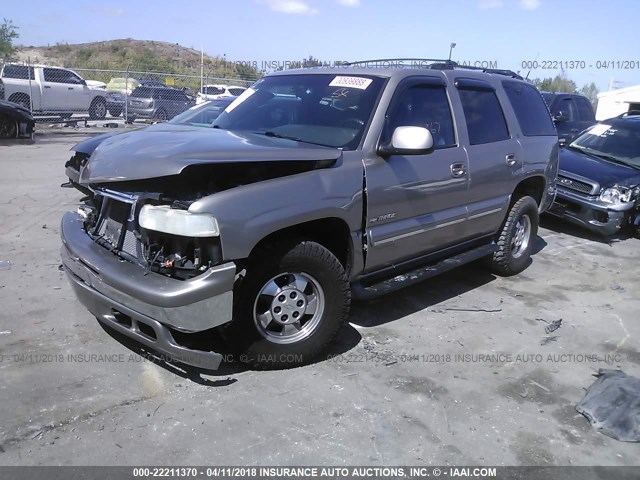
[[396, 390]]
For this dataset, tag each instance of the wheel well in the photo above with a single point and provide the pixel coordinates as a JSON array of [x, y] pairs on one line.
[[331, 233], [18, 96], [532, 187]]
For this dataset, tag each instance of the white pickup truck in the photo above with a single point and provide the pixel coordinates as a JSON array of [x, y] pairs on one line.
[[51, 90]]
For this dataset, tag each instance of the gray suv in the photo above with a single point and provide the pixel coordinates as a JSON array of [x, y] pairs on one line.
[[313, 187], [160, 103]]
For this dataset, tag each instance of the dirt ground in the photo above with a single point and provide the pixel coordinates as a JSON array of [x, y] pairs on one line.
[[457, 370]]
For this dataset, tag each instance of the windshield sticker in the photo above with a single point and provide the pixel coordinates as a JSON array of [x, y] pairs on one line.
[[351, 82], [243, 96], [599, 129]]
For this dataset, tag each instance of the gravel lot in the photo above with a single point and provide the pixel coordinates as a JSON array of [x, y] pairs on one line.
[[397, 389]]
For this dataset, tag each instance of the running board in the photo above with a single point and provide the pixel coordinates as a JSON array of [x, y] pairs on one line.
[[361, 292]]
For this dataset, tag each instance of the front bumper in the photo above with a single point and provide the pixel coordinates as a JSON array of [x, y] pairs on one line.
[[146, 306], [589, 212]]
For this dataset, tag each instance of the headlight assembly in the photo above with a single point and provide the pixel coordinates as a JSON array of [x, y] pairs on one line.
[[615, 195], [178, 222]]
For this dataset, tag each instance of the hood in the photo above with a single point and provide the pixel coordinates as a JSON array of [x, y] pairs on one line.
[[165, 149], [606, 173], [15, 110]]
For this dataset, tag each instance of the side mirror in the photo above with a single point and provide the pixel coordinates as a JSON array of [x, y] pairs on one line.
[[560, 117], [408, 140]]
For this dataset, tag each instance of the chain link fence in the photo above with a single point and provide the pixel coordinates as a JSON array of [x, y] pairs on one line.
[[50, 91]]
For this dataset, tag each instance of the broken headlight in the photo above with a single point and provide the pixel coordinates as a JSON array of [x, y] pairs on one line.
[[178, 222], [617, 194]]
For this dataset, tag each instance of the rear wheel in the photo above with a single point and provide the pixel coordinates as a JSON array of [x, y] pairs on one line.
[[161, 114], [21, 99], [515, 242], [115, 112], [98, 109], [292, 303]]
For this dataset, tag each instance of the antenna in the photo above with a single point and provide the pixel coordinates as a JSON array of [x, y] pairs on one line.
[[536, 59]]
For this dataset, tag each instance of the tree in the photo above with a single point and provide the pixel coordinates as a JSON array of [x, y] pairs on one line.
[[591, 92], [560, 83], [8, 33]]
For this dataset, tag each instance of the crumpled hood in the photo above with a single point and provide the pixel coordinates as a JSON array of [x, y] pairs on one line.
[[606, 173], [166, 149]]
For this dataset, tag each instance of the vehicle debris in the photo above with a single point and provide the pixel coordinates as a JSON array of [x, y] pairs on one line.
[[553, 326], [612, 405]]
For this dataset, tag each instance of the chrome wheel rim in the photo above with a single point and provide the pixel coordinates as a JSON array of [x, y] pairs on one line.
[[101, 110], [520, 240], [289, 307]]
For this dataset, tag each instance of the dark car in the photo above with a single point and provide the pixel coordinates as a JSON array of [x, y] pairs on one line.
[[599, 177], [571, 113], [161, 103], [115, 103], [15, 120]]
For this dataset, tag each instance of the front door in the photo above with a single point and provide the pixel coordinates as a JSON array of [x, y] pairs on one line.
[[417, 203]]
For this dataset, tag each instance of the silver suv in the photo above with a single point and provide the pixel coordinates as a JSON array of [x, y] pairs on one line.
[[313, 187]]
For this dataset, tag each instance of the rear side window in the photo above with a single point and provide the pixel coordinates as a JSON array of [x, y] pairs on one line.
[[585, 110], [483, 115], [143, 92], [18, 71], [531, 111]]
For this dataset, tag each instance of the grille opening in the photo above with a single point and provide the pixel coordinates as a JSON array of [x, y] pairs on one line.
[[147, 330], [121, 318], [575, 185]]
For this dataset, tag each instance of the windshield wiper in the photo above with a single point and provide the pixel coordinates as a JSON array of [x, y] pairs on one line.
[[604, 156], [272, 134]]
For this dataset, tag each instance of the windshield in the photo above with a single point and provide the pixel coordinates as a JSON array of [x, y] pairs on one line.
[[619, 143], [204, 114], [323, 109]]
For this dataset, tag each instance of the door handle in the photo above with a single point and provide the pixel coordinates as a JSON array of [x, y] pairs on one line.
[[458, 170], [69, 88], [574, 130], [511, 159], [47, 86]]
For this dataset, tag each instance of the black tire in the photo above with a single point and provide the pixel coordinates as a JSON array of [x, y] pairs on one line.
[[115, 112], [161, 115], [8, 127], [262, 346], [516, 239], [98, 109], [130, 119]]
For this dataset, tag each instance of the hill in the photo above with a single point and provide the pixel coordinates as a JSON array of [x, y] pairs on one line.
[[143, 55]]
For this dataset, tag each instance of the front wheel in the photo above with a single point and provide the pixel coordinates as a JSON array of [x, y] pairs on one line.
[[515, 242], [291, 306]]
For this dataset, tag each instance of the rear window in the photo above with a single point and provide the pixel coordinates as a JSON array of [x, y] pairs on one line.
[[483, 115], [531, 111], [212, 90], [22, 72]]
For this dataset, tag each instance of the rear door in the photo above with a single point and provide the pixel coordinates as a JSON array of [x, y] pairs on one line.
[[495, 155], [417, 203]]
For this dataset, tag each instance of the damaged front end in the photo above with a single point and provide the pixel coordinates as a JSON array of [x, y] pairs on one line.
[[141, 259]]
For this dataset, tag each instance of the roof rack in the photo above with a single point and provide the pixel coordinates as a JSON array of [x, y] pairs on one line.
[[437, 64], [395, 60]]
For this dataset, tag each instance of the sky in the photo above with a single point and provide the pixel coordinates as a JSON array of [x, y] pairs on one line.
[[593, 41]]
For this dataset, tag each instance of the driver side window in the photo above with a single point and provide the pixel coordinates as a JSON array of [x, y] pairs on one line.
[[424, 106]]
